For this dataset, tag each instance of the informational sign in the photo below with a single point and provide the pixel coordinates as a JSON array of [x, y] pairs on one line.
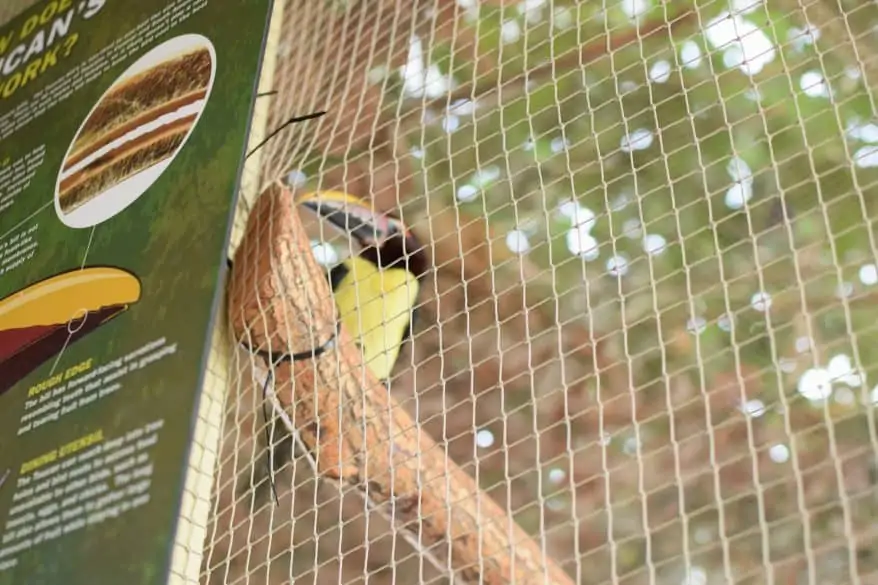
[[122, 131]]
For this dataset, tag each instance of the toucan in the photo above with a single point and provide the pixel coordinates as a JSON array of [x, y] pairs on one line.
[[376, 288]]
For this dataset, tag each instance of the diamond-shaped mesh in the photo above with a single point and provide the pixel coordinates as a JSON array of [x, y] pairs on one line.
[[648, 329]]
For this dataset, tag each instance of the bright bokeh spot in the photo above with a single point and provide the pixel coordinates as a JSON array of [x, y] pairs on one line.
[[753, 94], [467, 193], [800, 39], [532, 10], [582, 244], [654, 244], [450, 123], [865, 132], [297, 178], [414, 72], [754, 408], [803, 344], [868, 274], [517, 242], [840, 367], [696, 325], [620, 202], [738, 195], [745, 6], [556, 504], [690, 55], [634, 8], [510, 32], [629, 447], [484, 438], [563, 17], [761, 301], [744, 44], [640, 139], [695, 575], [815, 384], [568, 208], [844, 396], [419, 80], [739, 170], [486, 176], [779, 453], [814, 85], [867, 156], [324, 253], [617, 265], [741, 192], [377, 74], [580, 217], [660, 72], [559, 144], [557, 475], [725, 323], [462, 108]]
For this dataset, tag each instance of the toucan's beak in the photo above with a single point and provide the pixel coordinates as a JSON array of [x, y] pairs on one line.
[[349, 214], [354, 224], [384, 239]]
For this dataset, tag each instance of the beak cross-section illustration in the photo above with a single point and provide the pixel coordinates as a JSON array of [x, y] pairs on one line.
[[37, 322]]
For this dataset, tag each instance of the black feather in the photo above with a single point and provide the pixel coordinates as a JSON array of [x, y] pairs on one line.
[[336, 274], [398, 251]]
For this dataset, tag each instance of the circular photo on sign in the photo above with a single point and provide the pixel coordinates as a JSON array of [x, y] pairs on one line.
[[135, 130]]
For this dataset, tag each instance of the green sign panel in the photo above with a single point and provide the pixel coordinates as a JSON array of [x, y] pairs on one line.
[[122, 131]]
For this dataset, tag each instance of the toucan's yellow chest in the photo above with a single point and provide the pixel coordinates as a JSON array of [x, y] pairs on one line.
[[375, 306]]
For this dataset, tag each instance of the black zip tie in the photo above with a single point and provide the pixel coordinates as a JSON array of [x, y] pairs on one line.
[[302, 355], [266, 93], [276, 131], [308, 354]]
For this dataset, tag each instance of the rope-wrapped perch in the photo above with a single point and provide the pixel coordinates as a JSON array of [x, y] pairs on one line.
[[355, 432]]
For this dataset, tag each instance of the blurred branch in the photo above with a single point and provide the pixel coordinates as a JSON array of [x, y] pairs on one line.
[[516, 84]]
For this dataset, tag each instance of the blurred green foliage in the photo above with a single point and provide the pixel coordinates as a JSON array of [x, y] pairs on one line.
[[802, 236], [767, 287]]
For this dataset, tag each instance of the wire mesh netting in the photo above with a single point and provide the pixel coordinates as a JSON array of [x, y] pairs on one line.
[[646, 330]]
